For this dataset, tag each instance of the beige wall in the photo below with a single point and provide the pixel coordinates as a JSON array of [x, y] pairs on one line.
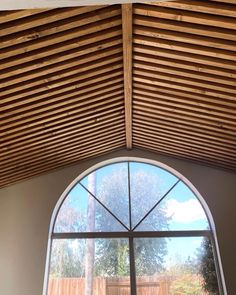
[[26, 208], [31, 4]]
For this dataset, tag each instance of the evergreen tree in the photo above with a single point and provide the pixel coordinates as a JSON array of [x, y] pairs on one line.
[[207, 268]]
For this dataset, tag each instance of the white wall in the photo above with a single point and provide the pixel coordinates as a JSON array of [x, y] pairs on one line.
[[31, 4], [26, 208]]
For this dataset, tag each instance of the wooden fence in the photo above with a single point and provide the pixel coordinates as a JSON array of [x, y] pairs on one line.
[[109, 286]]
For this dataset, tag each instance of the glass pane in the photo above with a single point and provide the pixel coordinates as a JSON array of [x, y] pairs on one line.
[[174, 266], [148, 184], [92, 266], [112, 189], [179, 210], [80, 212]]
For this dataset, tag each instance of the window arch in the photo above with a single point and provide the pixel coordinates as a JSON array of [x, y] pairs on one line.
[[132, 226]]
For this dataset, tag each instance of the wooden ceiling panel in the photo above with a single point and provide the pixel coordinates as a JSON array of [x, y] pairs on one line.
[[184, 94], [62, 88], [79, 82]]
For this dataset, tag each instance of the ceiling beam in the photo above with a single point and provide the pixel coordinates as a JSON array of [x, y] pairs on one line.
[[127, 25]]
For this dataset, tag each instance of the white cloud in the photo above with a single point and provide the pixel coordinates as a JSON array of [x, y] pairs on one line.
[[185, 212]]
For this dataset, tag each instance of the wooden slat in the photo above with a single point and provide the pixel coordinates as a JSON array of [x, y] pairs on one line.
[[94, 93], [204, 131], [201, 100], [188, 16], [55, 49], [178, 84], [87, 153], [64, 149], [192, 112], [32, 69], [187, 38], [104, 120], [100, 140], [220, 109], [27, 133], [178, 147], [147, 69], [64, 85], [76, 18], [200, 123], [127, 25], [141, 18], [66, 76], [179, 138], [77, 58], [225, 1], [201, 6], [185, 153], [41, 118], [7, 16], [40, 19], [22, 119], [85, 110], [74, 39], [183, 68], [80, 28], [150, 37], [8, 152], [181, 156], [217, 66], [221, 142]]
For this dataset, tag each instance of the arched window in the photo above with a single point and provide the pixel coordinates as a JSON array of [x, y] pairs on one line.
[[132, 227]]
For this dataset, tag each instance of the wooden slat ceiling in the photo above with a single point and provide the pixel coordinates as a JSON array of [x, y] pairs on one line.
[[80, 82]]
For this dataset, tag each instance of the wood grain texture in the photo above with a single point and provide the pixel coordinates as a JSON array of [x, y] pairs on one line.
[[80, 82], [127, 27]]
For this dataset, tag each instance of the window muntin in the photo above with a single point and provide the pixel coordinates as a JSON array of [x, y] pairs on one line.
[[73, 214], [140, 209], [181, 209], [107, 179]]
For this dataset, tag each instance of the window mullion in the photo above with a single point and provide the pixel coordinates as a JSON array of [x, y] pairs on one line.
[[130, 209], [132, 267]]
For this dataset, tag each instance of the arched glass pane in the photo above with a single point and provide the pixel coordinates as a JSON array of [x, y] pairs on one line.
[[176, 265], [80, 212], [148, 184], [179, 210], [89, 266], [112, 189]]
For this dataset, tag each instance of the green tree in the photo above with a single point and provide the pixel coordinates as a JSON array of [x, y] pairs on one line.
[[207, 268], [187, 284], [112, 254], [67, 259], [184, 277]]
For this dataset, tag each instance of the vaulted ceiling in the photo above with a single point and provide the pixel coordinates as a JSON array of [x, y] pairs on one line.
[[80, 82]]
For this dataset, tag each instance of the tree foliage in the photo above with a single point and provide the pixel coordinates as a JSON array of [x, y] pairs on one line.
[[112, 255], [149, 253], [207, 268], [185, 278], [67, 255]]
